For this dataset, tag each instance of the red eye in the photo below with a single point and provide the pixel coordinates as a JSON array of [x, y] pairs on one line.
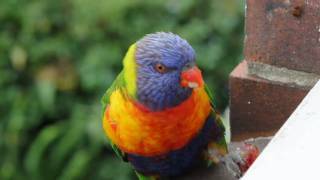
[[160, 68]]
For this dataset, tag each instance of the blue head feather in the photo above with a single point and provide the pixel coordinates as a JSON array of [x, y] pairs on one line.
[[159, 91]]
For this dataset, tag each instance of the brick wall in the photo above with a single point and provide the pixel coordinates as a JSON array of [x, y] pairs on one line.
[[282, 63]]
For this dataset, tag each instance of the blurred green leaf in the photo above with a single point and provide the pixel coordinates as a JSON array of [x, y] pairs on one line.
[[58, 58], [76, 166], [122, 172], [46, 91], [36, 153], [71, 138]]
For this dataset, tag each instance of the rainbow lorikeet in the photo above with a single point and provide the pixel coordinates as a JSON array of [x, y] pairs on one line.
[[158, 113]]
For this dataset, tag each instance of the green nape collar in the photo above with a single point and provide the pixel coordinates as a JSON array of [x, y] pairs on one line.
[[130, 71]]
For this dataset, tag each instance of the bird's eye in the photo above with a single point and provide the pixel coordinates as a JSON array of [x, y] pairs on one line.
[[160, 68]]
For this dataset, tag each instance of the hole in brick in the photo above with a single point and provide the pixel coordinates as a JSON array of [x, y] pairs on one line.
[[297, 11]]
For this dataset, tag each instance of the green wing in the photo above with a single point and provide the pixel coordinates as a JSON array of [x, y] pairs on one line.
[[118, 83], [221, 140]]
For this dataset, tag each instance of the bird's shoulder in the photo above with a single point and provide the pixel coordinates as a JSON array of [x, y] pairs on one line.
[[118, 83]]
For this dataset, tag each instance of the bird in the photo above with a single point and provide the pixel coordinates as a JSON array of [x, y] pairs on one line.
[[158, 114]]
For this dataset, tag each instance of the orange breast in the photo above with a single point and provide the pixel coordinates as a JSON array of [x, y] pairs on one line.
[[137, 130]]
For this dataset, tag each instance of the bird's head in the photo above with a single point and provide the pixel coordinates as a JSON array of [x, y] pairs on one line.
[[160, 70]]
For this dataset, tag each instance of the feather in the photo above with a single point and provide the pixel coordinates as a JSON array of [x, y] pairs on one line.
[[218, 146], [118, 83]]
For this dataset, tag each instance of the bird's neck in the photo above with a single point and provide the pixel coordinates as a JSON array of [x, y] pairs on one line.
[[156, 100]]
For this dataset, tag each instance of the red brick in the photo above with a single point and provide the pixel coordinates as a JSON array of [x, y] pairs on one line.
[[285, 33], [259, 107]]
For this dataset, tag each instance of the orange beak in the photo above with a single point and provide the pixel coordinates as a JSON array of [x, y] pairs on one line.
[[192, 78]]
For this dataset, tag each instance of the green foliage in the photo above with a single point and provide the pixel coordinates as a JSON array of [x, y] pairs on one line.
[[58, 57]]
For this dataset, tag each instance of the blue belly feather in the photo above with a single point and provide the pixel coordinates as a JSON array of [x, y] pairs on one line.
[[178, 161]]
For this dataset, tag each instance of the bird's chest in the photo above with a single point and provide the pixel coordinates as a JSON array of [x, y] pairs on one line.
[[139, 131], [176, 162]]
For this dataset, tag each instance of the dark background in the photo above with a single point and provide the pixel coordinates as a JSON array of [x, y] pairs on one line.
[[58, 57]]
